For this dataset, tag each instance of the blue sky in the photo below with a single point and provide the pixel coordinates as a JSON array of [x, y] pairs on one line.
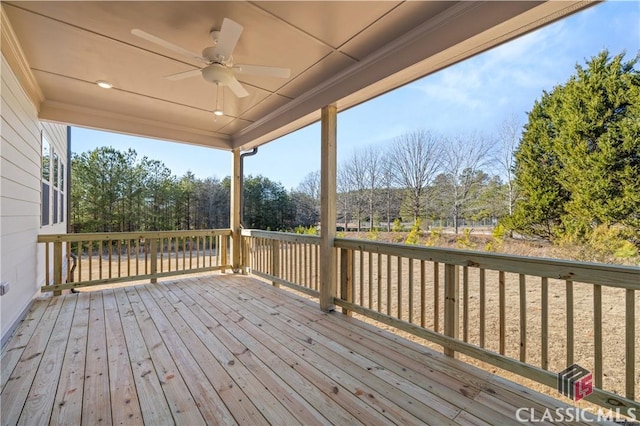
[[477, 95]]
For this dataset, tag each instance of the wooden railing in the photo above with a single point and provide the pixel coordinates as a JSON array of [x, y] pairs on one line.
[[105, 258], [529, 316], [288, 259]]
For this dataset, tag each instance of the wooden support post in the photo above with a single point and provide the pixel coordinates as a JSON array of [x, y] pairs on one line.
[[235, 206], [154, 258], [451, 303], [346, 277], [275, 260], [57, 265], [630, 343], [328, 207]]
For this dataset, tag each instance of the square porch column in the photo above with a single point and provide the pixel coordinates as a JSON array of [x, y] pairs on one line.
[[328, 171], [234, 214]]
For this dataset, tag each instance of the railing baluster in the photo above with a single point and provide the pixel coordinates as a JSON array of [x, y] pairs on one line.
[[68, 256], [275, 260], [307, 265], [153, 242], [423, 294], [119, 248], [379, 280], [410, 290], [483, 304], [80, 251], [523, 317], [502, 307], [388, 284], [100, 259], [110, 252], [569, 309], [436, 297], [544, 362], [161, 246], [129, 257], [630, 343], [370, 281], [399, 280], [90, 259], [597, 334], [361, 277], [47, 265], [465, 307]]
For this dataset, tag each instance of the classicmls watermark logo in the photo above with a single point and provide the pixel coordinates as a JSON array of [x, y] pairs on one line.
[[575, 382]]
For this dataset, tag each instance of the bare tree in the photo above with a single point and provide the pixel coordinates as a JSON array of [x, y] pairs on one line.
[[388, 180], [353, 171], [416, 161], [310, 185], [509, 138], [344, 194], [464, 158], [373, 171]]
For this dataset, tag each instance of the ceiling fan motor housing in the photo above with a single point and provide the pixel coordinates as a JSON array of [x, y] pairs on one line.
[[211, 54]]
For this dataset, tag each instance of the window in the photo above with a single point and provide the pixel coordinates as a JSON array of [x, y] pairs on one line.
[[55, 177], [53, 181], [46, 181], [62, 192]]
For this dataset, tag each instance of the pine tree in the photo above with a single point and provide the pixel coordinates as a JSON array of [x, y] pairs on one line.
[[578, 164]]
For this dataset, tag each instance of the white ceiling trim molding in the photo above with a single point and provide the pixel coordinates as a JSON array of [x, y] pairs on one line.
[[16, 59], [96, 119], [395, 64]]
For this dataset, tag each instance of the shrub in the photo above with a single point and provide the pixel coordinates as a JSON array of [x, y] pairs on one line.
[[414, 234], [465, 242], [606, 241], [434, 237], [397, 226]]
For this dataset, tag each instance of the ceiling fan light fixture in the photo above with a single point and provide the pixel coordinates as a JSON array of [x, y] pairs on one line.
[[104, 84]]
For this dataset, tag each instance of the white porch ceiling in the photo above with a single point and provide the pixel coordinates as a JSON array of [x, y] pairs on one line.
[[342, 52]]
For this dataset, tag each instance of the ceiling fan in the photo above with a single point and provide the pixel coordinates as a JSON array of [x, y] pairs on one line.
[[219, 68]]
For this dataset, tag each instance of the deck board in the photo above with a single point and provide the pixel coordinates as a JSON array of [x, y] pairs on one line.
[[227, 349], [68, 397]]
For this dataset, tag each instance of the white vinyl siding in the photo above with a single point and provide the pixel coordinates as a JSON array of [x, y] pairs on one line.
[[21, 260]]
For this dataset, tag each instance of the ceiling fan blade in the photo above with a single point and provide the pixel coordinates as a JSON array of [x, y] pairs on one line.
[[262, 70], [237, 88], [184, 74], [167, 45], [229, 36]]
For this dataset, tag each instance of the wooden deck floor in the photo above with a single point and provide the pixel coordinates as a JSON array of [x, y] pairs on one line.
[[230, 349]]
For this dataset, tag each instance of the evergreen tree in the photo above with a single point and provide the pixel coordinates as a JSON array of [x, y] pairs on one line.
[[578, 165]]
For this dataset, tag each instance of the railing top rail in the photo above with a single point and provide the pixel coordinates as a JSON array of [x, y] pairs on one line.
[[282, 236], [107, 236], [593, 273]]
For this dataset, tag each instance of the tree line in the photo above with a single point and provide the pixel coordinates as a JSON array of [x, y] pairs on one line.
[[115, 191], [418, 177]]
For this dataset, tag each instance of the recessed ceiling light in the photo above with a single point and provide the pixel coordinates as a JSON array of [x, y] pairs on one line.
[[104, 84], [218, 112]]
